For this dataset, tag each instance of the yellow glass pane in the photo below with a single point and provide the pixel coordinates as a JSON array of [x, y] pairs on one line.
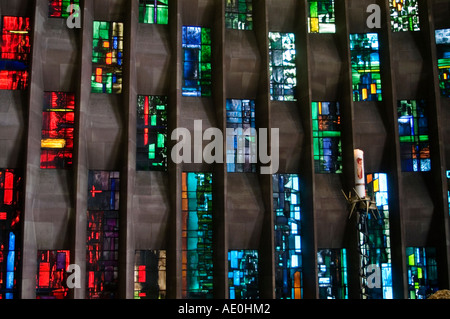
[[53, 143], [314, 25]]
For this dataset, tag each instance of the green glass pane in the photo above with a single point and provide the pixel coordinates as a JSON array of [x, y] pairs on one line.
[[205, 72], [205, 55], [161, 140], [163, 15], [96, 30], [331, 133], [313, 9], [206, 36]]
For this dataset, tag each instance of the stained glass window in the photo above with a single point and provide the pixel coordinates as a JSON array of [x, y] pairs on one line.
[[197, 251], [107, 57], [238, 14], [102, 235], [150, 274], [378, 248], [151, 133], [422, 272], [404, 15], [243, 274], [288, 240], [448, 191], [365, 60], [197, 61], [60, 8], [443, 55], [332, 273], [57, 130], [282, 65], [321, 17], [154, 11], [51, 278], [241, 144], [10, 232], [15, 51], [414, 138], [326, 123]]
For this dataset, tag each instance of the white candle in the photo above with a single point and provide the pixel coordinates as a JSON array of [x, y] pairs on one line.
[[360, 181]]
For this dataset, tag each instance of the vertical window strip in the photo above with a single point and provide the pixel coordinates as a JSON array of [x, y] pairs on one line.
[[102, 235], [197, 249], [379, 249], [404, 15], [282, 66], [239, 14], [333, 283], [107, 57], [243, 280], [51, 276], [57, 130], [365, 63], [196, 44], [443, 56], [15, 50], [242, 144], [154, 11], [288, 236], [414, 136], [422, 272], [326, 124], [150, 274], [10, 232], [151, 133], [61, 8], [321, 18]]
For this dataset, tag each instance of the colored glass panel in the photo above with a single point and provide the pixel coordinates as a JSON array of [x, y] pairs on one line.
[[365, 60], [243, 274], [150, 274], [57, 130], [197, 251], [321, 17], [443, 55], [332, 273], [10, 232], [154, 11], [288, 247], [61, 8], [422, 272], [404, 15], [15, 51], [414, 138], [282, 66], [51, 274], [107, 57], [102, 235], [238, 14], [151, 136], [196, 61], [326, 124], [241, 136]]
